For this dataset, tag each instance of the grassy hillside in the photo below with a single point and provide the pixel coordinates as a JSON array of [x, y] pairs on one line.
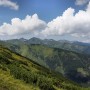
[[62, 61], [19, 73], [8, 82]]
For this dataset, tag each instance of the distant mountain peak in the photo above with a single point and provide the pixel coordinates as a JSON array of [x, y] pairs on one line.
[[23, 39]]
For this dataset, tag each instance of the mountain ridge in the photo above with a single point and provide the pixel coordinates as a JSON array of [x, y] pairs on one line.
[[62, 44], [55, 58], [16, 69], [60, 60]]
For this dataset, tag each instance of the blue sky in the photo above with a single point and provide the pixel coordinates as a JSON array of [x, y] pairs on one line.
[[46, 11]]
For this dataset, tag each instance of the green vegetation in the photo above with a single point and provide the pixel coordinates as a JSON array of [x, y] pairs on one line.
[[59, 60], [19, 73], [8, 82]]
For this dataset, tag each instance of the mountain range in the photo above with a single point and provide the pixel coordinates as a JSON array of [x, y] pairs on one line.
[[61, 56], [62, 44], [19, 73], [69, 59]]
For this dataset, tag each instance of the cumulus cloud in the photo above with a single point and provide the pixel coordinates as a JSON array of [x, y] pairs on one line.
[[8, 3], [70, 23], [81, 2], [31, 24]]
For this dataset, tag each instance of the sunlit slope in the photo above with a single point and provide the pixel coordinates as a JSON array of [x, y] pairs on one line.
[[19, 73], [56, 59]]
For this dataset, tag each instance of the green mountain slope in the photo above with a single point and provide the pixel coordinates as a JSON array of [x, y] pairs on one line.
[[19, 73], [8, 82], [59, 60]]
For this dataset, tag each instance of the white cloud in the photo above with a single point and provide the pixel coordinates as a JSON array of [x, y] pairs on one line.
[[81, 2], [8, 3], [31, 24], [70, 23]]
